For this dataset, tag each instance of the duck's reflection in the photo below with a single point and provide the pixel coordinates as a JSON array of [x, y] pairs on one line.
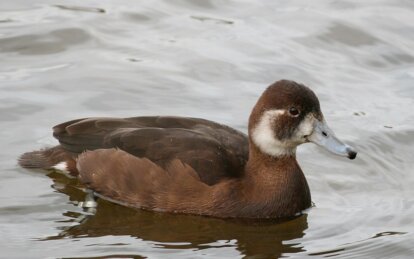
[[252, 238]]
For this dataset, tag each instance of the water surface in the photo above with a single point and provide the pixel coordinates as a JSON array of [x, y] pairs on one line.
[[61, 60]]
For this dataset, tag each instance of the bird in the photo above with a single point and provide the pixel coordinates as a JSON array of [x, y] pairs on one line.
[[195, 166]]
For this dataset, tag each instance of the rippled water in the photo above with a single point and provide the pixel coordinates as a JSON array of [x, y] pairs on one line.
[[61, 60]]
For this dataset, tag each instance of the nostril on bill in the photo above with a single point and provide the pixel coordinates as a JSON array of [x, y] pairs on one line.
[[324, 134]]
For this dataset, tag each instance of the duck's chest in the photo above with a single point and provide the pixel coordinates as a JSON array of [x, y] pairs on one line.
[[278, 194]]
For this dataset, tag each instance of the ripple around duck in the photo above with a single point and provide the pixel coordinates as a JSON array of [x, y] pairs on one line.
[[382, 245], [12, 110], [81, 8], [211, 19], [390, 152], [366, 198], [44, 44], [348, 35]]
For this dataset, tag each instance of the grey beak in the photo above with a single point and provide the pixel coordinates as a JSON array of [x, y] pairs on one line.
[[323, 136]]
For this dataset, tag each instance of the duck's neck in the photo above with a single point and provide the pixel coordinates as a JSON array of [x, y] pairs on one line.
[[276, 183]]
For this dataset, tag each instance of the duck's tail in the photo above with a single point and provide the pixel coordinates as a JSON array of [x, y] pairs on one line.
[[50, 158]]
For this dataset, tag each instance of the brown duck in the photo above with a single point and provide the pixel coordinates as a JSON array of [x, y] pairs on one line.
[[196, 166]]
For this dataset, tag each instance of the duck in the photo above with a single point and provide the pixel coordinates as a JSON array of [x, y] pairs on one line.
[[196, 166]]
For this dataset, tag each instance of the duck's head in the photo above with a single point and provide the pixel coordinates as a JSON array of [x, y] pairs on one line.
[[288, 114]]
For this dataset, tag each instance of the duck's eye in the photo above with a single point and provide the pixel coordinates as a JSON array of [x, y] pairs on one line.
[[293, 111]]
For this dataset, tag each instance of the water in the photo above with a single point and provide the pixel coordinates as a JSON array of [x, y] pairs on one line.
[[61, 60]]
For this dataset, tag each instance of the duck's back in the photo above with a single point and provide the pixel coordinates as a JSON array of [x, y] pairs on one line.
[[213, 150]]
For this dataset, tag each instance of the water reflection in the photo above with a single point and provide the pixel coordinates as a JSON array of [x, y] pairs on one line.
[[250, 237]]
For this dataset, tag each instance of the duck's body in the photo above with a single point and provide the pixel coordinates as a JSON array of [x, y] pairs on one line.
[[196, 166], [213, 150]]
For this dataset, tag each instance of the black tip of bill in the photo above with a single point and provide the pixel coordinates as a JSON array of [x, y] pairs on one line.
[[352, 154]]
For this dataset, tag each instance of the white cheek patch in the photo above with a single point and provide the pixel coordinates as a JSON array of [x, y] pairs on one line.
[[263, 135], [305, 128]]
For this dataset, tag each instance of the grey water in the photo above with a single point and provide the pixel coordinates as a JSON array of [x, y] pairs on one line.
[[61, 60]]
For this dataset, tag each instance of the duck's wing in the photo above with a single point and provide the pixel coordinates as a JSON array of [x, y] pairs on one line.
[[213, 150], [138, 182]]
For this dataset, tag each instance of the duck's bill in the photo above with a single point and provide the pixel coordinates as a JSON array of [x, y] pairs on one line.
[[323, 136]]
